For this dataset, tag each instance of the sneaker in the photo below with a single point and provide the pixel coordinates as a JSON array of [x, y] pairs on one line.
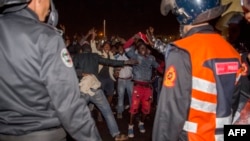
[[126, 107], [121, 137], [119, 115], [131, 131], [141, 127]]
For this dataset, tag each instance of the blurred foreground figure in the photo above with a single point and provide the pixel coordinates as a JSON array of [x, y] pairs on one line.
[[242, 115], [199, 81], [39, 92], [247, 16], [246, 9]]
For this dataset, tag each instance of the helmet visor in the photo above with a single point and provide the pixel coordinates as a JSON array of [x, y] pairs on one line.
[[166, 6]]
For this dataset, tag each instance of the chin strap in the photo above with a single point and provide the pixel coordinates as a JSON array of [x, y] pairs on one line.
[[181, 31]]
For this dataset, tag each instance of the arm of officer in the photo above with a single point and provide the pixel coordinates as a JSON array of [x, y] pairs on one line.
[[60, 79], [159, 46], [175, 97]]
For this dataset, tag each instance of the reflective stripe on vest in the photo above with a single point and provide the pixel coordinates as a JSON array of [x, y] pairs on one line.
[[190, 127], [204, 86], [219, 137], [220, 122], [203, 106]]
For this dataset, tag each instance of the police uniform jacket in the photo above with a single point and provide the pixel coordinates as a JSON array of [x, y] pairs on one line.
[[197, 94], [38, 85]]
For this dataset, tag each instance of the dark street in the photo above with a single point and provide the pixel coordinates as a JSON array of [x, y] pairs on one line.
[[123, 125]]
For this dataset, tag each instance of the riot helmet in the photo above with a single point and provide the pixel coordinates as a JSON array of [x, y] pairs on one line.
[[13, 5], [12, 2], [191, 12], [16, 5]]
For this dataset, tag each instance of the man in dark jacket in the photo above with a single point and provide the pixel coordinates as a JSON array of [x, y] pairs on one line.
[[86, 64], [39, 93]]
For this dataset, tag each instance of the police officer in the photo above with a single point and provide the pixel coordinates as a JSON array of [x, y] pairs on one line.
[[201, 68], [39, 92]]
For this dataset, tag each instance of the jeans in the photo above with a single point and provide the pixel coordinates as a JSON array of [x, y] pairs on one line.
[[122, 86], [100, 101]]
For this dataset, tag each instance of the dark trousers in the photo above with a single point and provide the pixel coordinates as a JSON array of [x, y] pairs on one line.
[[56, 134]]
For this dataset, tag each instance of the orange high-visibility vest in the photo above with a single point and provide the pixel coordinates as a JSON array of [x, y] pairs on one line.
[[202, 120]]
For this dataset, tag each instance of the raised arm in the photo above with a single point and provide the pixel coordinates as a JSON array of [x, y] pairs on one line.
[[93, 42], [155, 43]]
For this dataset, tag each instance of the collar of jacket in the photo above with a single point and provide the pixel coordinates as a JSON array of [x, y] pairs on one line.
[[27, 12], [200, 29]]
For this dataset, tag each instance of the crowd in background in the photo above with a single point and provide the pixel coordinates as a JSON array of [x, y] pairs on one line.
[[113, 45], [236, 32]]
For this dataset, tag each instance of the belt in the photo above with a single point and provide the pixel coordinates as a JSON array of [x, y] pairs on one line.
[[85, 74], [126, 78], [147, 85]]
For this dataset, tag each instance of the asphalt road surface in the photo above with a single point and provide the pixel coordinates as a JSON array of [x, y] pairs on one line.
[[123, 125]]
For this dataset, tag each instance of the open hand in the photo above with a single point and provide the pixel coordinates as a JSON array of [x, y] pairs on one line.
[[150, 35]]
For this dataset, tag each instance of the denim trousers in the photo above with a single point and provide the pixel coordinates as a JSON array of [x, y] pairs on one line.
[[123, 85], [101, 102]]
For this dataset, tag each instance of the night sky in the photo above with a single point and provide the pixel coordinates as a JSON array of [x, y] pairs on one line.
[[123, 17]]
